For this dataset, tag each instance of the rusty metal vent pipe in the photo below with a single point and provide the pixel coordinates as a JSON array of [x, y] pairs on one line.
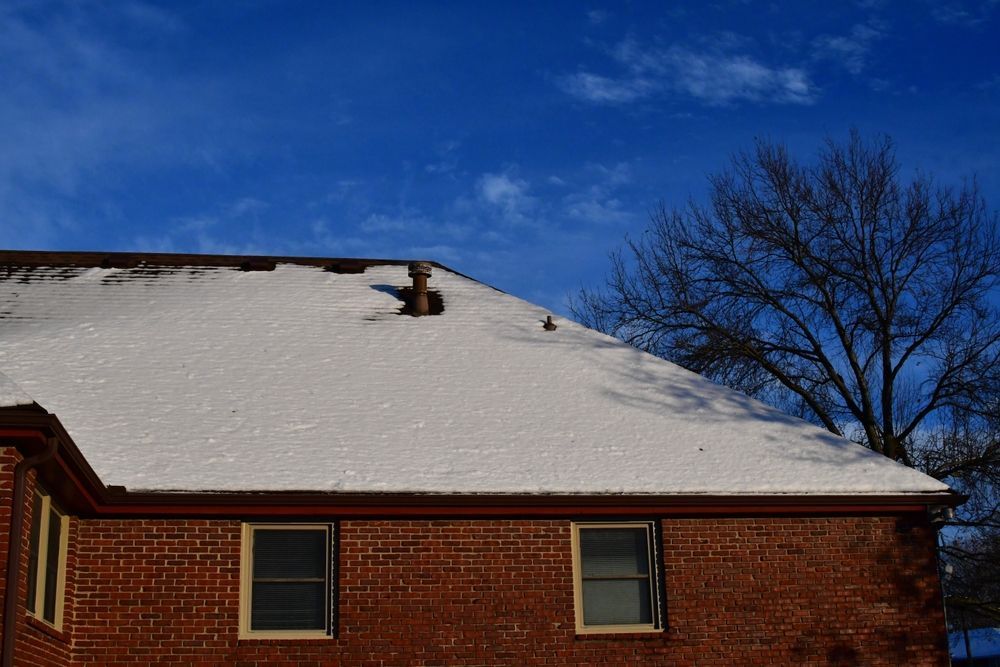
[[420, 272]]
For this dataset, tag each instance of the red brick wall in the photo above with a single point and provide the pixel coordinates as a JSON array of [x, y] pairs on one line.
[[740, 591], [37, 643], [157, 591], [8, 459], [855, 590], [804, 591]]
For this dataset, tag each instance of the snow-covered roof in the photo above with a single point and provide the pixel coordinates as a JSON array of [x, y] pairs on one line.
[[206, 377], [12, 396]]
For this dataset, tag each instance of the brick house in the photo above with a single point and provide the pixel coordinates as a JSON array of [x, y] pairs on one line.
[[251, 460]]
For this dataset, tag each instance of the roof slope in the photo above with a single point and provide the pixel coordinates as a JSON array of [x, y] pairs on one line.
[[212, 378], [12, 396]]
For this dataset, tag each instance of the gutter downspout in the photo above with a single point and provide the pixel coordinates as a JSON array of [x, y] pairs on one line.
[[14, 548]]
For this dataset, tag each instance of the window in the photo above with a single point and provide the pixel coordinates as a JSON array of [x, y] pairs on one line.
[[47, 560], [285, 580], [615, 577]]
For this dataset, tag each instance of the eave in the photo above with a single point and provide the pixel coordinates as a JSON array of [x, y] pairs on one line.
[[130, 260], [71, 479]]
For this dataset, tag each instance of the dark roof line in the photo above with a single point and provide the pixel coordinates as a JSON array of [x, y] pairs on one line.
[[133, 259], [127, 260]]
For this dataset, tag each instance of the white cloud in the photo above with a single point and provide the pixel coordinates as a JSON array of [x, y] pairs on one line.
[[965, 13], [597, 16], [599, 202], [851, 50], [412, 225], [993, 83], [72, 99], [604, 90], [228, 229], [503, 198], [75, 106], [247, 206], [438, 252], [378, 223], [591, 208], [714, 76], [721, 79], [501, 189], [199, 243], [618, 174], [327, 239], [594, 196], [447, 158], [496, 203], [150, 16]]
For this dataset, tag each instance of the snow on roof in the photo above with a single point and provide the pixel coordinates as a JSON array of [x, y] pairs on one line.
[[11, 395], [212, 378]]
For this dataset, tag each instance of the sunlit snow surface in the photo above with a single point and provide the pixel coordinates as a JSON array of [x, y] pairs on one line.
[[202, 378], [10, 394]]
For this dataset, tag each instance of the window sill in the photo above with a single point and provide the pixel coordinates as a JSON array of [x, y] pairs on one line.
[[47, 629], [250, 640], [620, 635]]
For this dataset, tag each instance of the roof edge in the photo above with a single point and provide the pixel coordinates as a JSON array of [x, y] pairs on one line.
[[70, 477], [125, 259]]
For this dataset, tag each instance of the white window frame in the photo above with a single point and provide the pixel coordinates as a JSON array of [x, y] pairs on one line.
[[246, 582], [47, 508], [654, 579]]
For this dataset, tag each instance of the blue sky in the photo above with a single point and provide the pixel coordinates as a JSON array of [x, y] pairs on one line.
[[515, 142]]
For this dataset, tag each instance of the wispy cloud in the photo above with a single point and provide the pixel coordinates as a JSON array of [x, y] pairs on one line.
[[714, 76], [993, 83], [505, 196], [447, 158], [501, 189], [591, 207], [75, 105], [850, 51], [597, 16], [966, 13], [232, 228], [599, 202], [141, 13], [606, 90], [73, 98], [722, 79], [378, 223], [247, 206]]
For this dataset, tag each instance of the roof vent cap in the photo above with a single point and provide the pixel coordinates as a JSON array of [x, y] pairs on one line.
[[419, 269], [420, 272]]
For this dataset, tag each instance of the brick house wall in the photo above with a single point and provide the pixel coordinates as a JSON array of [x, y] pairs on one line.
[[42, 644], [751, 591]]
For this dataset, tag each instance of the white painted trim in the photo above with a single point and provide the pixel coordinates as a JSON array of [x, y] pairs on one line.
[[246, 582], [654, 573], [41, 574]]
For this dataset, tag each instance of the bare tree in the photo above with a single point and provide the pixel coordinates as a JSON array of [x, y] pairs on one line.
[[836, 291], [972, 579]]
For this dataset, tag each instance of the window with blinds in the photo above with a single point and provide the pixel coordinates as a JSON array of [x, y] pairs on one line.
[[285, 580], [615, 576], [47, 548]]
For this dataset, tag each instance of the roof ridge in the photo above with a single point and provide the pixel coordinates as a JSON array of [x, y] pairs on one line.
[[128, 259]]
